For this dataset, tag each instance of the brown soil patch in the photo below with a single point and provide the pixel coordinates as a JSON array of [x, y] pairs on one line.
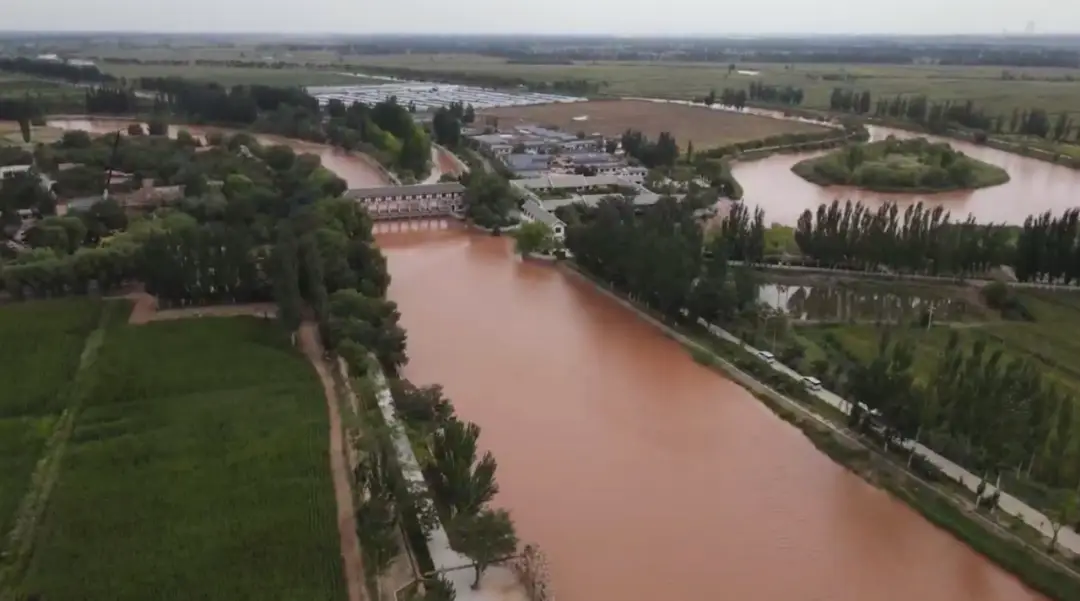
[[704, 127], [145, 310]]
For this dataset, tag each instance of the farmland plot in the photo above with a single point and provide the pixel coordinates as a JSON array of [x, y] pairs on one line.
[[40, 344], [197, 470]]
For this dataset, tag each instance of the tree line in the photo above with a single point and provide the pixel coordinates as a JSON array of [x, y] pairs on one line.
[[1048, 248], [56, 70], [921, 240], [663, 152], [925, 240], [658, 258], [939, 116], [989, 412]]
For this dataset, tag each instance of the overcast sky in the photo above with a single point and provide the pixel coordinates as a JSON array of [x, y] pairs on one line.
[[630, 17]]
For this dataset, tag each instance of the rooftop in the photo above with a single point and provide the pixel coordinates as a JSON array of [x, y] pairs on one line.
[[439, 188], [539, 213]]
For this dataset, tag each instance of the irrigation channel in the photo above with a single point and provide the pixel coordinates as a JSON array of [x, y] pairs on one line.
[[644, 475]]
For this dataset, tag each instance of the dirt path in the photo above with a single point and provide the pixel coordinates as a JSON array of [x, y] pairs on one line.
[[350, 544], [145, 309]]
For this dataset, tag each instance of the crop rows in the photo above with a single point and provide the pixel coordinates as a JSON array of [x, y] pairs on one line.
[[197, 470], [40, 344]]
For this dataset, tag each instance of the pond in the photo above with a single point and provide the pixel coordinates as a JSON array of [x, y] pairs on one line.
[[838, 303]]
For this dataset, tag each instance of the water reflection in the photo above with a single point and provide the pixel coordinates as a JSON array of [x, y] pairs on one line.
[[827, 303]]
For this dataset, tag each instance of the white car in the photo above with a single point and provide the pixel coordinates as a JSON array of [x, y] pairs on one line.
[[812, 383], [767, 356]]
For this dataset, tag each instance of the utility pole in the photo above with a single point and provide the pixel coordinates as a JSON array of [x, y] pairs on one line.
[[112, 166]]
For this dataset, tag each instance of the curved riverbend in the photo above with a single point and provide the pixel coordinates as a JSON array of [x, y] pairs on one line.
[[1035, 186], [641, 473], [357, 170]]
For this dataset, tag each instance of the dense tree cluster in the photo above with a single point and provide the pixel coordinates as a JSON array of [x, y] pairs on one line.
[[760, 92], [447, 122], [984, 410], [661, 153], [219, 244], [1048, 248], [115, 101], [743, 234], [850, 101], [922, 240], [893, 164], [489, 199], [658, 258]]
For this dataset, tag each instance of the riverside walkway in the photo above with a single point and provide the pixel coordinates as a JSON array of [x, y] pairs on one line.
[[1067, 537]]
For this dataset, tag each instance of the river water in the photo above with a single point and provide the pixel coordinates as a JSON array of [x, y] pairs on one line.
[[646, 476], [643, 475], [1036, 186]]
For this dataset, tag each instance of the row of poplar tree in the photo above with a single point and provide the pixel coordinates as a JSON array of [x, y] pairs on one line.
[[925, 240]]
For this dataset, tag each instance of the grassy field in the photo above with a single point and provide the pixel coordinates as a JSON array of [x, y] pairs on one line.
[[197, 470], [231, 76], [1049, 88], [1050, 341], [39, 353], [705, 128]]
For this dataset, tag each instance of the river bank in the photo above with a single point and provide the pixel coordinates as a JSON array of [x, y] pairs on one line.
[[582, 402], [851, 450]]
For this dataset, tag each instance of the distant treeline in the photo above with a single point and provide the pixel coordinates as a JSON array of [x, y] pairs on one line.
[[937, 117], [55, 70], [1029, 52]]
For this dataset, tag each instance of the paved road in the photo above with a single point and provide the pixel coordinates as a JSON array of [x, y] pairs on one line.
[[883, 276], [1067, 538]]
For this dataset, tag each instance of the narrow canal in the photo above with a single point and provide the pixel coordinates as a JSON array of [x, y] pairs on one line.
[[642, 474]]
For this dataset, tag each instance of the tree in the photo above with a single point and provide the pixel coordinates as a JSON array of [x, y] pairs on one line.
[[24, 128], [286, 276], [158, 127], [534, 236], [484, 537], [462, 484], [1065, 512]]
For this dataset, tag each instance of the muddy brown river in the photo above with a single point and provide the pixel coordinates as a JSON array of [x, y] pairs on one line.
[[1036, 186], [643, 475]]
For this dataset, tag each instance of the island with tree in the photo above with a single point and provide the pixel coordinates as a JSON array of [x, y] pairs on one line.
[[894, 165]]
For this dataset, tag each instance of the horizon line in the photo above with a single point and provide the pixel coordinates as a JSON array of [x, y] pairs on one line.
[[726, 35]]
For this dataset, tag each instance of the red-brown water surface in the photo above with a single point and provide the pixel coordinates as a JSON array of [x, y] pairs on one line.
[[1036, 186], [642, 474]]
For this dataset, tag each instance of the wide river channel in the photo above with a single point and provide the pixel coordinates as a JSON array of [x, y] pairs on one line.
[[643, 475]]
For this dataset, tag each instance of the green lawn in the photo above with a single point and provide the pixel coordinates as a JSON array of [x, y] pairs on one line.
[[1050, 341], [197, 470], [40, 344]]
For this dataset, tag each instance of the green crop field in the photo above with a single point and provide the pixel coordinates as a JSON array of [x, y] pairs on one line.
[[1050, 341], [197, 470], [40, 344], [1054, 90], [230, 76]]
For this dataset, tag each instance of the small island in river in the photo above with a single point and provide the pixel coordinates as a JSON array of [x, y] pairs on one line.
[[894, 165]]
